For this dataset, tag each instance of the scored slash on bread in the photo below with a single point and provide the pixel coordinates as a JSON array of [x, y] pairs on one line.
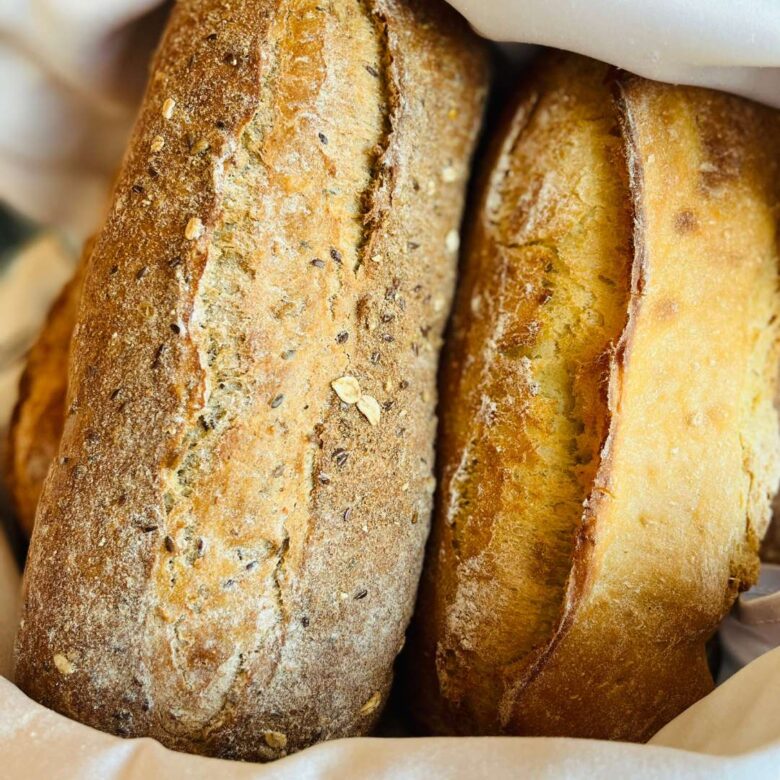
[[608, 444]]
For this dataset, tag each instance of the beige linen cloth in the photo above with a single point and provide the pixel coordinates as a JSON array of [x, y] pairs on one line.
[[70, 73]]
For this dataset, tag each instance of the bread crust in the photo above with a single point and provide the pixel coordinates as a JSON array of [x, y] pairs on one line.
[[688, 461], [38, 416], [225, 554]]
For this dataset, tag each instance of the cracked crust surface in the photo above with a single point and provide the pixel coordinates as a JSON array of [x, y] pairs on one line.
[[608, 447], [226, 554]]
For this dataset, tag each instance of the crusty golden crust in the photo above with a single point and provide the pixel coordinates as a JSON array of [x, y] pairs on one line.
[[36, 424], [689, 444], [547, 265], [225, 554]]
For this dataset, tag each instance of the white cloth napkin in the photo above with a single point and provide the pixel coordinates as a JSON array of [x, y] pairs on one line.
[[753, 627], [71, 75], [733, 45]]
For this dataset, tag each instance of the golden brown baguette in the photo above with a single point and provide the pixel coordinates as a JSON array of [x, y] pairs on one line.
[[226, 554], [36, 424], [608, 443]]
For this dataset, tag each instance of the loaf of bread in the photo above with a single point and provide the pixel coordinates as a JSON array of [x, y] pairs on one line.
[[227, 546], [608, 444], [36, 424]]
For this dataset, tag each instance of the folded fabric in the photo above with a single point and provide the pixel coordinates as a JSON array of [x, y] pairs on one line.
[[71, 75], [753, 627], [732, 45]]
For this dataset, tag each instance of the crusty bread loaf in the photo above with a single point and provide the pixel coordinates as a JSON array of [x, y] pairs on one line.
[[608, 443], [227, 547], [36, 424]]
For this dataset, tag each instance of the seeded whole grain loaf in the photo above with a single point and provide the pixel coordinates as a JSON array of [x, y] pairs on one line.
[[608, 443], [227, 547]]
